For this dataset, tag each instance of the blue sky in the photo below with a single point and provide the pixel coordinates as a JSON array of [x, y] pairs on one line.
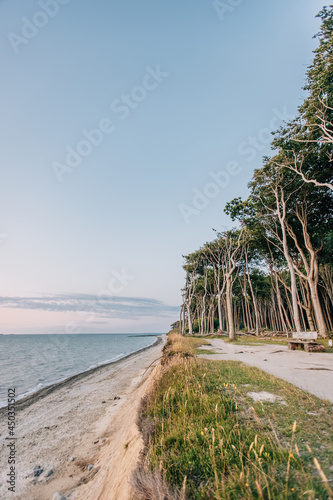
[[199, 92]]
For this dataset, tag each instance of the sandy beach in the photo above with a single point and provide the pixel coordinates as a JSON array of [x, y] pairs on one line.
[[88, 420]]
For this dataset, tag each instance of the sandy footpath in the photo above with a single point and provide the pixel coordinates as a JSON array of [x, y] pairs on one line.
[[312, 372], [77, 423]]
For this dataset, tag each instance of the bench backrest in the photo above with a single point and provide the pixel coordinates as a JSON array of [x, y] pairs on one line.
[[305, 335]]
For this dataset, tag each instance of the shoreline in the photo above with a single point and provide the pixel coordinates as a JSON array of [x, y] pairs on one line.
[[24, 401], [83, 420]]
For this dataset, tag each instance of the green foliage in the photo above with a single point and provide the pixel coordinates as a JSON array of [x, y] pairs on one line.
[[208, 431], [287, 225]]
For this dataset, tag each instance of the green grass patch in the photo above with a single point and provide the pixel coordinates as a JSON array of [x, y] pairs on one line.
[[205, 428], [251, 340], [180, 346], [205, 351]]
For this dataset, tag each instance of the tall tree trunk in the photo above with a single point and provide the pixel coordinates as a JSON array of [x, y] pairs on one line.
[[219, 309], [308, 305], [189, 319], [293, 284], [230, 316], [311, 268], [321, 324], [280, 305], [313, 284], [280, 202], [254, 298], [328, 312], [182, 320]]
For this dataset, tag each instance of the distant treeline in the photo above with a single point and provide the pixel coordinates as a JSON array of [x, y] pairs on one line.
[[275, 270]]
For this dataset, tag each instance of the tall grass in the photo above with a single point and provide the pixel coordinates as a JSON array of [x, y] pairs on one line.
[[207, 441], [180, 346]]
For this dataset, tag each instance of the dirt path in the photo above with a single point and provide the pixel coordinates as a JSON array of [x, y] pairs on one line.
[[312, 372]]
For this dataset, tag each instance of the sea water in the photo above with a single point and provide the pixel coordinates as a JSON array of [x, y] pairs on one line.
[[30, 362]]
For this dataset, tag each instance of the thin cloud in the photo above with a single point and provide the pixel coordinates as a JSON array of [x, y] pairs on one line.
[[103, 307]]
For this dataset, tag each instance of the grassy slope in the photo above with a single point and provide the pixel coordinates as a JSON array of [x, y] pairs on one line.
[[205, 428]]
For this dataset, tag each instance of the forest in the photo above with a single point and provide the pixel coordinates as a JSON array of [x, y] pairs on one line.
[[274, 270]]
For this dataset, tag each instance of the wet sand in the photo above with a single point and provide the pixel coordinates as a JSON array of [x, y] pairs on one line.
[[66, 427]]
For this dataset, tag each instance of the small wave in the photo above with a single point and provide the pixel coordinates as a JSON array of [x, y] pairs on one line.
[[45, 385], [106, 362]]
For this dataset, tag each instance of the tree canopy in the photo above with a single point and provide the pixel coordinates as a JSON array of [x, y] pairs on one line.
[[275, 271]]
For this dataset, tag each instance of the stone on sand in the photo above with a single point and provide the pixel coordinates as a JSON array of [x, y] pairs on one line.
[[265, 396], [58, 496], [38, 471]]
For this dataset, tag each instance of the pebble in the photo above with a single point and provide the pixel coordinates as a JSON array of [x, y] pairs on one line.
[[38, 471], [90, 466], [116, 397], [58, 496], [72, 459], [49, 473]]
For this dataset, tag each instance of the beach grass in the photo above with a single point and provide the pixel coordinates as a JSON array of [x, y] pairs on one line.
[[205, 351], [208, 438], [177, 345]]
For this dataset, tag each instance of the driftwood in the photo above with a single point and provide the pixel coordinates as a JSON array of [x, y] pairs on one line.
[[263, 334]]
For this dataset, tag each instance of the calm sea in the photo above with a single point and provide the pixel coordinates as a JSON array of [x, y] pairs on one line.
[[31, 362]]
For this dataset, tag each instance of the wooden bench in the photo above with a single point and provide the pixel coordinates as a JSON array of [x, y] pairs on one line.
[[306, 345], [305, 335], [305, 341]]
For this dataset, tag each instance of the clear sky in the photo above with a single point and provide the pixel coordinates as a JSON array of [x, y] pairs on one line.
[[125, 128]]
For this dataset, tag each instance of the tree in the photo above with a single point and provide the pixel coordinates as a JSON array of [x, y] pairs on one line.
[[276, 271], [313, 127], [190, 267]]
